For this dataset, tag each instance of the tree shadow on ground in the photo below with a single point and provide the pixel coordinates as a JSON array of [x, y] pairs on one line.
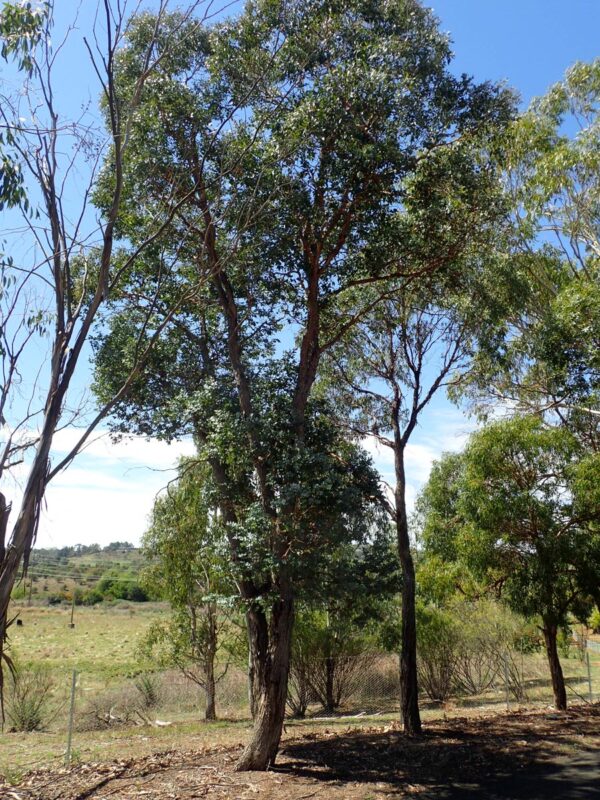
[[513, 756]]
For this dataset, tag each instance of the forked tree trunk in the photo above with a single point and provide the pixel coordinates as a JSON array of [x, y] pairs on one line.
[[409, 687], [270, 646], [556, 673]]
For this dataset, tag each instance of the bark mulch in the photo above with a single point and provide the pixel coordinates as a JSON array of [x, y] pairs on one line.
[[513, 755]]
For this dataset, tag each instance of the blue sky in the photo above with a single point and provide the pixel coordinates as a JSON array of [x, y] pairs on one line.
[[527, 43]]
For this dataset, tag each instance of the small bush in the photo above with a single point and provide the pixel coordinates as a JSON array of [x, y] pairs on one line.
[[92, 597], [148, 685], [30, 700], [438, 646], [594, 620]]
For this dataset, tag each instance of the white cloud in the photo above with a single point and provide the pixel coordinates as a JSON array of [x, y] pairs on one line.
[[130, 449]]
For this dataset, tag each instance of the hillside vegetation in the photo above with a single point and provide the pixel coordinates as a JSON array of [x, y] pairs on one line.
[[89, 574]]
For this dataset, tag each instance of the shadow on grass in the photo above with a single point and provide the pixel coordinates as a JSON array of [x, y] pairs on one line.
[[513, 756]]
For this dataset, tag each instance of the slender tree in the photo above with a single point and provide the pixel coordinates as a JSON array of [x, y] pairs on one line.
[[184, 544], [388, 369]]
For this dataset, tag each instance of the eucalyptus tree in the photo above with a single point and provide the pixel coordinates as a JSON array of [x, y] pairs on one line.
[[521, 509], [61, 262], [298, 133], [412, 345], [547, 362]]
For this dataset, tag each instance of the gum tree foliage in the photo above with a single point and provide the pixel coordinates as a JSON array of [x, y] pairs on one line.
[[299, 141], [185, 545], [548, 359], [21, 26], [520, 508]]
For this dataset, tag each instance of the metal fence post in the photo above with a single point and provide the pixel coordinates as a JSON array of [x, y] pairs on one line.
[[589, 675], [506, 682], [71, 715]]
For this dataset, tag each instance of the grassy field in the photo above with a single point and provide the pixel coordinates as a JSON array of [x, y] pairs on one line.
[[102, 645]]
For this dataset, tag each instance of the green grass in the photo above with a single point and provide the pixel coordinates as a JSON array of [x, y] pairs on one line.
[[102, 645]]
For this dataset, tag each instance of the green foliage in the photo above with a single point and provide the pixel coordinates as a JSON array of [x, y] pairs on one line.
[[148, 685], [329, 653], [519, 508], [594, 620], [21, 27], [185, 545], [463, 647], [115, 589], [547, 358], [438, 641]]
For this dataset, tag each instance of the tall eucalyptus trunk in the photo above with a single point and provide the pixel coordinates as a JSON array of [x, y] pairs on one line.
[[409, 686]]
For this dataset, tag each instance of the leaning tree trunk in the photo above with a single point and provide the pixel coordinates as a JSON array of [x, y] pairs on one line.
[[558, 681], [409, 687], [14, 555], [270, 646]]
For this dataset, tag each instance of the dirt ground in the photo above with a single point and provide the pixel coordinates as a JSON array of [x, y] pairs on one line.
[[511, 755]]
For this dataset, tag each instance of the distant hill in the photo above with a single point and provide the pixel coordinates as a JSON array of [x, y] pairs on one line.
[[89, 573]]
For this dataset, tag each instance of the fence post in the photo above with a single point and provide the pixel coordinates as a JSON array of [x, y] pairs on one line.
[[71, 715], [506, 684], [589, 675]]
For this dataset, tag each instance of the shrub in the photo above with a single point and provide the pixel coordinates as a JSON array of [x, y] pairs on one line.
[[148, 685], [112, 708], [92, 597], [594, 620], [437, 651], [56, 599], [328, 660], [30, 700]]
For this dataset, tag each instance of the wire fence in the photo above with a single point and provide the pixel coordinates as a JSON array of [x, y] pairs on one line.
[[157, 710]]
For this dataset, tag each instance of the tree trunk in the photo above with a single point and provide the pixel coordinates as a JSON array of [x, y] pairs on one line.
[[558, 681], [270, 646], [409, 688], [329, 676], [253, 685], [210, 713], [209, 664]]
